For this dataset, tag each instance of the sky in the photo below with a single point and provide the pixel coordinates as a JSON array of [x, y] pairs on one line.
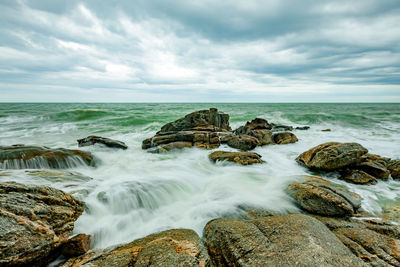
[[199, 51]]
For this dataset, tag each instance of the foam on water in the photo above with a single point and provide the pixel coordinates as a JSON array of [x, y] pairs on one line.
[[134, 193]]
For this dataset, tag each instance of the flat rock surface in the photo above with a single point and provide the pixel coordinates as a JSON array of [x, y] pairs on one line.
[[319, 196], [332, 156], [244, 158], [177, 247], [34, 222], [286, 240], [35, 157]]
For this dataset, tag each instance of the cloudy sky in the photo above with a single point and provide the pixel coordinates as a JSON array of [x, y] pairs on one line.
[[200, 51]]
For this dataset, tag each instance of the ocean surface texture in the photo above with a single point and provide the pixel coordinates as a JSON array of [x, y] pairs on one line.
[[134, 193]]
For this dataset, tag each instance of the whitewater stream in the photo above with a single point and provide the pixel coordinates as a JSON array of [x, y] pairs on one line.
[[133, 193]]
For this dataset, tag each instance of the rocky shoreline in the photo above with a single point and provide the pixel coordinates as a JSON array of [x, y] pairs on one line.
[[329, 229]]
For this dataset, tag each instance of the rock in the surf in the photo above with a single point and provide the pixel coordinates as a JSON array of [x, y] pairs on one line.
[[374, 168], [76, 246], [243, 142], [34, 222], [394, 168], [319, 196], [277, 127], [35, 157], [284, 138], [258, 128], [244, 158], [332, 156], [202, 120], [177, 247], [91, 140], [170, 146], [286, 240], [357, 177]]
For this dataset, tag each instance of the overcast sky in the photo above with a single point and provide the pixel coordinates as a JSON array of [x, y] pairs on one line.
[[200, 51]]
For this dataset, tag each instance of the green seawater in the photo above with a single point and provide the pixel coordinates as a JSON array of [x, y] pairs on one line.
[[134, 193]]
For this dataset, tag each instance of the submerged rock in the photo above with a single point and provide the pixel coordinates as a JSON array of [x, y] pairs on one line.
[[244, 158], [202, 120], [34, 157], [319, 196], [34, 223], [284, 138], [91, 140], [302, 128], [243, 142], [332, 156], [177, 247], [286, 240], [357, 177]]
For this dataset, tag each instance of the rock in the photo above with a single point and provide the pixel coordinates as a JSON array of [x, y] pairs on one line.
[[244, 158], [395, 173], [303, 128], [177, 247], [256, 124], [34, 222], [332, 156], [391, 211], [203, 120], [276, 127], [287, 240], [91, 140], [170, 146], [375, 169], [357, 177], [373, 241], [284, 138], [243, 142], [319, 196], [34, 157], [394, 168], [326, 130], [76, 246]]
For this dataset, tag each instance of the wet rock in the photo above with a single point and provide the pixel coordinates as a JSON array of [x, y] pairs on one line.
[[76, 246], [303, 128], [394, 168], [319, 196], [203, 120], [357, 177], [391, 211], [326, 130], [256, 124], [332, 156], [276, 127], [375, 169], [34, 222], [243, 142], [34, 157], [284, 138], [373, 241], [244, 158], [287, 240], [178, 247], [170, 146], [91, 140]]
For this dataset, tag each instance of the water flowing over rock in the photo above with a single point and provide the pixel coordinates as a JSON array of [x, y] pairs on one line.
[[286, 240], [319, 196], [244, 158], [332, 156], [203, 120], [34, 157], [177, 247], [34, 223], [91, 140]]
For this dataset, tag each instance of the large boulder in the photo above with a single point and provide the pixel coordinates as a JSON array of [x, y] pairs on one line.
[[286, 240], [244, 158], [177, 247], [332, 156], [376, 242], [34, 222], [319, 196], [243, 142], [256, 124], [202, 120], [283, 138], [91, 140], [35, 157]]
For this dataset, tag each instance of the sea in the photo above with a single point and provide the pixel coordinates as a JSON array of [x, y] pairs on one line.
[[133, 193]]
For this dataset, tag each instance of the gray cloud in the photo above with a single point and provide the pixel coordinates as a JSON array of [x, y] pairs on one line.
[[199, 50]]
